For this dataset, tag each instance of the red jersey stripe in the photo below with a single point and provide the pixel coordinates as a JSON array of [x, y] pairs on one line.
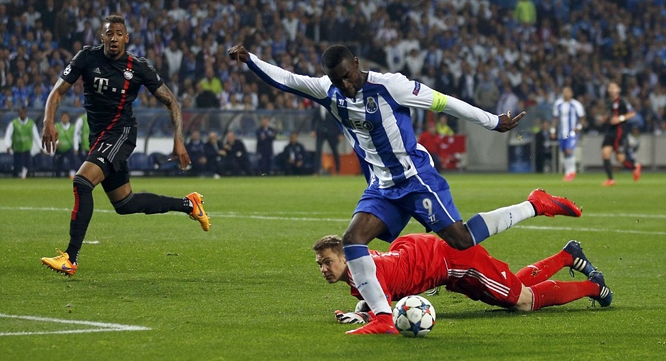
[[121, 104]]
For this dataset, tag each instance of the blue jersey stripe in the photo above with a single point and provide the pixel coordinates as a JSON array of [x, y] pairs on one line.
[[572, 118], [379, 136]]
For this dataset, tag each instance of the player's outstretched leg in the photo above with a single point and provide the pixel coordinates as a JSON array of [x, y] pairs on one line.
[[580, 262], [381, 324], [547, 205], [198, 213], [60, 263], [605, 295]]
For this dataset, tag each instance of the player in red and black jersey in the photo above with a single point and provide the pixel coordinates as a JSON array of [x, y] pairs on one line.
[[416, 263], [112, 78], [617, 129]]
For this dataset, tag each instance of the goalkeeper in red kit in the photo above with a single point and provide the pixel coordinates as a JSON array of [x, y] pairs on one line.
[[415, 263]]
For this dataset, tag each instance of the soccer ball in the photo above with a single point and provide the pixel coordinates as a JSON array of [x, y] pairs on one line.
[[414, 316]]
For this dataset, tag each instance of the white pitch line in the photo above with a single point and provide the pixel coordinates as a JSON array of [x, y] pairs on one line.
[[265, 216], [254, 215], [104, 327], [591, 230]]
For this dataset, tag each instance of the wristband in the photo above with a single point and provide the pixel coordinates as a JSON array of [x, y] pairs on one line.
[[622, 118]]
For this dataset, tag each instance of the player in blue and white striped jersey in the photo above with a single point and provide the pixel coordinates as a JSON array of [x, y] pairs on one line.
[[567, 113], [372, 110]]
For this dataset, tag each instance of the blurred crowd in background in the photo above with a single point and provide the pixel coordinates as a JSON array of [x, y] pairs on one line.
[[500, 55]]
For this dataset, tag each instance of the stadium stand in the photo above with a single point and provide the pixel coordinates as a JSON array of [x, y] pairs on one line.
[[445, 44]]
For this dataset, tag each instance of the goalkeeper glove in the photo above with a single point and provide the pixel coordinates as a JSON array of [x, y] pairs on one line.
[[352, 317], [362, 306]]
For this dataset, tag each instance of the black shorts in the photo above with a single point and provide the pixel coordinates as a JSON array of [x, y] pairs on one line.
[[617, 139], [110, 152]]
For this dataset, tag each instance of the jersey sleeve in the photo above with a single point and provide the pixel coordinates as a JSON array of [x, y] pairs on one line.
[[580, 109], [8, 135], [413, 94], [151, 80], [315, 89], [73, 70]]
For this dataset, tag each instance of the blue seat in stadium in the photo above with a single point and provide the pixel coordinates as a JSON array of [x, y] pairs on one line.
[[140, 161], [162, 164], [6, 163], [42, 162]]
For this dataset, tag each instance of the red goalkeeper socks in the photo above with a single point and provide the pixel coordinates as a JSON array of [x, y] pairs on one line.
[[553, 293], [544, 269]]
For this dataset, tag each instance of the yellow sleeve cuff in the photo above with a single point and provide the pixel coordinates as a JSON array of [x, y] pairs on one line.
[[439, 101]]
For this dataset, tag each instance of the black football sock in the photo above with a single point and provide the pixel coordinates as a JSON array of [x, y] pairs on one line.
[[150, 203], [608, 168], [81, 215], [629, 164]]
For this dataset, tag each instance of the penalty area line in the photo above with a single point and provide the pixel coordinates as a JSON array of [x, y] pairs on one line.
[[101, 326]]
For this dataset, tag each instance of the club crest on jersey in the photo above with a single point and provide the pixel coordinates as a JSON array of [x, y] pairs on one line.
[[371, 105], [128, 74], [417, 88]]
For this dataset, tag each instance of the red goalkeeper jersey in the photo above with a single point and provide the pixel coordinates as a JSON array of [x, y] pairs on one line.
[[412, 265], [416, 263]]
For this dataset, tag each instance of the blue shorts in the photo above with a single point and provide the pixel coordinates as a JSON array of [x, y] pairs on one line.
[[568, 143], [426, 197]]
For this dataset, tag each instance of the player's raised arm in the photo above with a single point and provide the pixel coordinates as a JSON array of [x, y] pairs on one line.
[[410, 93], [166, 96], [305, 86], [50, 134], [458, 108]]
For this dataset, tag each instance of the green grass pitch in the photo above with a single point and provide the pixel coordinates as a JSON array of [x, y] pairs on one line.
[[250, 289]]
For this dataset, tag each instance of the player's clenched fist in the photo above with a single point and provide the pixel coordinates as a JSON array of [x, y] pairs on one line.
[[506, 122], [239, 53]]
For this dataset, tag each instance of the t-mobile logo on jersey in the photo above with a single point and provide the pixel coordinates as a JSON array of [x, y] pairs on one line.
[[101, 84]]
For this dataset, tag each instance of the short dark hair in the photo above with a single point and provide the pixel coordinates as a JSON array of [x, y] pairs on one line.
[[115, 19], [331, 242], [334, 55]]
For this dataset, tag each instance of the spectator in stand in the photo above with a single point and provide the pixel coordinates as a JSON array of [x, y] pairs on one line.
[[211, 83], [234, 104], [544, 54], [443, 127], [486, 93], [206, 99], [525, 12], [508, 100]]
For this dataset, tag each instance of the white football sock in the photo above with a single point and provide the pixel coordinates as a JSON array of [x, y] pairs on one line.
[[570, 165], [504, 218], [364, 274]]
